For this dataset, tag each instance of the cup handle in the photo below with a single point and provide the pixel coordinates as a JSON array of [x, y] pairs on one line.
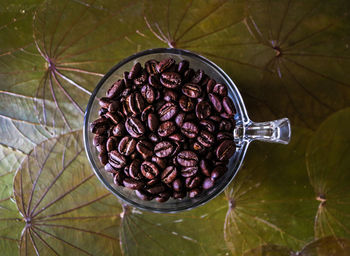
[[277, 131]]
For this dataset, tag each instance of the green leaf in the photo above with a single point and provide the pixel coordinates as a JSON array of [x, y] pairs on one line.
[[328, 165], [64, 206], [327, 246], [196, 232], [271, 201]]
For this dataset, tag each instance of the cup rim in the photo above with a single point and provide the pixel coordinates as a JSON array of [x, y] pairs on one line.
[[240, 103]]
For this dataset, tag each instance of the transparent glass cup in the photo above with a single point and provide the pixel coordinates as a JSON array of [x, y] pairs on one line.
[[245, 132]]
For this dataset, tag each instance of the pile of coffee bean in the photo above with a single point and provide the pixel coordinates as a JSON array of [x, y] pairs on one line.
[[165, 130]]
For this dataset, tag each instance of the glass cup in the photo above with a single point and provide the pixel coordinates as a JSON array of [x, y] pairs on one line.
[[245, 131]]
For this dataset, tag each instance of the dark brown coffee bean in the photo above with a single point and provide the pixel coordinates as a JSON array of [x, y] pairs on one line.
[[145, 148], [215, 101], [152, 122], [135, 71], [189, 129], [207, 183], [134, 127], [177, 148], [112, 143], [148, 92], [113, 107], [183, 66], [102, 111], [98, 140], [203, 110], [205, 167], [218, 172], [225, 150], [126, 92], [169, 174], [197, 78], [127, 146], [105, 102], [161, 162], [118, 178], [109, 168], [156, 189], [220, 89], [228, 106], [149, 170], [132, 184], [193, 182], [178, 185], [187, 158], [153, 182], [141, 79], [194, 192], [189, 171], [210, 85], [116, 159], [196, 146], [154, 81], [143, 195], [135, 103], [177, 137], [204, 81], [119, 130], [208, 125], [226, 125], [99, 126], [153, 137], [115, 89], [190, 116], [103, 157], [170, 79], [179, 195], [206, 138], [191, 90], [101, 148], [163, 149], [166, 128], [134, 169], [165, 64], [167, 111], [179, 119], [186, 104], [225, 115], [163, 197], [170, 95], [189, 73], [113, 117], [224, 136], [151, 66], [216, 119]]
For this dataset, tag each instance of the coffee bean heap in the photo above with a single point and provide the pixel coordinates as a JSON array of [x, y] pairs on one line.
[[165, 130]]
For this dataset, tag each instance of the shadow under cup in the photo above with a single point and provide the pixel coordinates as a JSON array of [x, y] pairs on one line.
[[196, 62]]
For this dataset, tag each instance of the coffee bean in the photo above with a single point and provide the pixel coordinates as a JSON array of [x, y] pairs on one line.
[[210, 85], [156, 189], [189, 129], [132, 184], [134, 127], [167, 111], [189, 171], [105, 102], [102, 111], [113, 117], [189, 73], [196, 146], [98, 140], [197, 78], [109, 168], [165, 64], [207, 183], [183, 66], [215, 101], [204, 80], [193, 182], [163, 197], [218, 172], [103, 157], [149, 170], [176, 137], [101, 148], [179, 119], [220, 89], [170, 95], [99, 126], [119, 130], [170, 79], [112, 143], [187, 158], [148, 93], [115, 89], [154, 81], [206, 138], [226, 125], [151, 66], [143, 195], [145, 148], [216, 119], [141, 79], [225, 150], [153, 182], [166, 128], [152, 122], [135, 71], [118, 178], [224, 136], [169, 174], [116, 159], [127, 146], [179, 195], [186, 103], [228, 106], [194, 192], [135, 103], [191, 90], [134, 169], [208, 125], [203, 110], [163, 149], [113, 107], [153, 137], [161, 162], [177, 185]]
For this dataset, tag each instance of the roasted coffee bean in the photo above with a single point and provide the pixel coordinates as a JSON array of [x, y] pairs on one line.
[[205, 167], [207, 183], [109, 168], [180, 118], [170, 95], [194, 192], [189, 171], [189, 73], [113, 117], [224, 136], [225, 150], [216, 119], [169, 174], [163, 149], [113, 107], [126, 92], [167, 111], [187, 158], [141, 79], [119, 130], [145, 148], [228, 106], [101, 148], [115, 89], [215, 101], [166, 128], [177, 148], [193, 182], [134, 169], [183, 66], [165, 64], [176, 137], [150, 183], [153, 137], [210, 85], [127, 146], [189, 129], [135, 71], [161, 162], [102, 111], [220, 89], [103, 157], [206, 138], [208, 125], [143, 195], [218, 172], [135, 103], [147, 110], [112, 143], [204, 80], [191, 90], [156, 189], [225, 115], [98, 140], [190, 116], [170, 79], [99, 126], [152, 122], [197, 78], [105, 102], [148, 92], [149, 170], [163, 197], [196, 146], [179, 195], [118, 178], [116, 159], [186, 104], [178, 185], [151, 66], [134, 127], [226, 125], [203, 110], [132, 184], [154, 81]]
